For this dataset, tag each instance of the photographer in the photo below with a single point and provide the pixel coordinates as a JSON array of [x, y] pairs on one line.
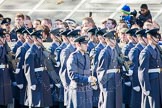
[[145, 15]]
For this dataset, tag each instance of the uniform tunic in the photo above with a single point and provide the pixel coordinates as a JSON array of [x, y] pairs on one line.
[[36, 74], [80, 91], [19, 73], [5, 80], [63, 70], [150, 80], [134, 57], [110, 79], [94, 54]]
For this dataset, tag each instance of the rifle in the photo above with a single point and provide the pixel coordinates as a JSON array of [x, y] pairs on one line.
[[121, 59], [50, 62], [12, 62]]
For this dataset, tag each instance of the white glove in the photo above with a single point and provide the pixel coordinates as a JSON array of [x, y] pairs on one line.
[[147, 93], [51, 85], [17, 71], [127, 83], [14, 83], [33, 87], [57, 64], [137, 88], [58, 85], [20, 86], [130, 73], [94, 87], [92, 79]]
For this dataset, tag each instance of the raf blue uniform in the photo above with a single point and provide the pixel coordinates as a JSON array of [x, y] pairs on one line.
[[5, 80], [38, 82], [94, 53], [80, 91], [150, 75], [63, 70], [134, 57], [125, 50], [109, 77], [19, 73], [57, 53], [91, 44], [94, 63]]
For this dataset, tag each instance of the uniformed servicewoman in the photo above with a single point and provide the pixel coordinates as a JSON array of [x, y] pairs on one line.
[[94, 62], [5, 80], [134, 57], [126, 80], [78, 67], [65, 53], [92, 39], [109, 74], [149, 72], [38, 82], [19, 72]]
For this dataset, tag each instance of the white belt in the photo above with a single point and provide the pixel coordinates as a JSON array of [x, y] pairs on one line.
[[155, 70], [2, 66], [112, 70], [39, 69]]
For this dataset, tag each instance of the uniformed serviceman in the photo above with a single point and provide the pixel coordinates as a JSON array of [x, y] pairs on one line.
[[150, 72], [19, 72], [38, 82], [55, 36], [132, 40], [21, 39], [65, 53], [109, 74], [134, 57], [5, 80], [92, 39], [20, 36], [57, 53], [56, 40], [94, 62], [78, 67]]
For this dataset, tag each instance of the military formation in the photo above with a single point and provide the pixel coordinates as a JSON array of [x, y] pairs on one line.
[[65, 65]]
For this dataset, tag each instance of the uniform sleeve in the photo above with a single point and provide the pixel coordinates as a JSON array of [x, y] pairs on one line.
[[102, 67], [73, 70], [63, 71], [19, 56], [134, 57], [29, 69], [143, 71]]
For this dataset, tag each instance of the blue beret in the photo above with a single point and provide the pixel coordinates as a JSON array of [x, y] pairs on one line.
[[64, 33], [110, 35], [141, 33], [81, 39], [132, 32], [6, 21], [93, 31], [74, 33]]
